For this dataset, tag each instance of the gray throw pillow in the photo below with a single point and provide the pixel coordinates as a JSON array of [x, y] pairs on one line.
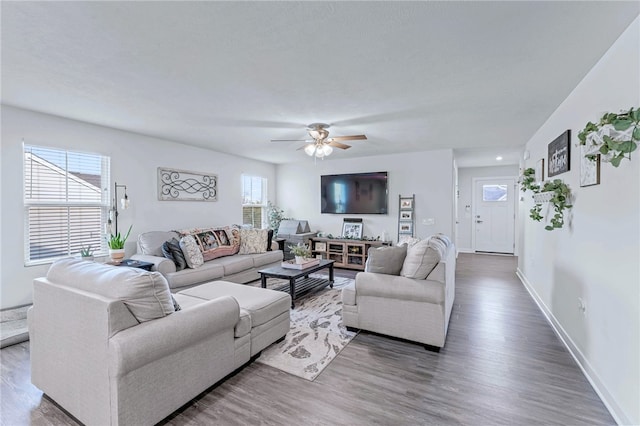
[[420, 261], [386, 259]]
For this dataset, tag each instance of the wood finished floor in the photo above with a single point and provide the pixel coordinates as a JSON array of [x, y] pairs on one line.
[[502, 364]]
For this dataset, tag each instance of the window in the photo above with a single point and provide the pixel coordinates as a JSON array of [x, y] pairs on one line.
[[494, 192], [254, 201], [65, 206]]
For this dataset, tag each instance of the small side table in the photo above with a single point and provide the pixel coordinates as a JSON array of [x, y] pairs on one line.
[[132, 263]]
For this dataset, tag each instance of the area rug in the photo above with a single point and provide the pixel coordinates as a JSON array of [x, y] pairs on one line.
[[317, 334], [13, 326]]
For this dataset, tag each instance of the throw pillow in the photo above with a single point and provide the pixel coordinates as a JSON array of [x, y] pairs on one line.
[[171, 250], [420, 261], [191, 251], [386, 259], [218, 242], [253, 241], [269, 239]]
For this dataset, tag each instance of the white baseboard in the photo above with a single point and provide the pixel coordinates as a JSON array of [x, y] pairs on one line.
[[588, 371], [466, 250]]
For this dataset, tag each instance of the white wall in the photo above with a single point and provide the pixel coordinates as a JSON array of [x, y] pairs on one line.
[[428, 175], [134, 162], [465, 188], [596, 255]]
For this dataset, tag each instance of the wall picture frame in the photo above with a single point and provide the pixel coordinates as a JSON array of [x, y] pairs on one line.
[[320, 246], [352, 230], [539, 175], [406, 203], [406, 228], [589, 169], [406, 215], [559, 155]]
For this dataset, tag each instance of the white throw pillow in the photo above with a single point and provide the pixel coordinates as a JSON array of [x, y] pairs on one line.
[[386, 259], [191, 251], [420, 261]]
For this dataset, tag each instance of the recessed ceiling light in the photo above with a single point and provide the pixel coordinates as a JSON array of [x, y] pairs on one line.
[[499, 158]]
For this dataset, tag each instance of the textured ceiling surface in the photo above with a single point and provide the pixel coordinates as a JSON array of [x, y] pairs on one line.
[[479, 77]]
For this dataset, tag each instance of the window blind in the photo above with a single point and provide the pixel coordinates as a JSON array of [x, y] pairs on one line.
[[65, 204], [254, 200]]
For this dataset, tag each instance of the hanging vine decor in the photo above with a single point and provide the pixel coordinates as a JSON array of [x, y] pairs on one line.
[[615, 136], [555, 192]]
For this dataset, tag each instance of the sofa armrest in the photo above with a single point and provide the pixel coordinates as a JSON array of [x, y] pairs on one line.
[[160, 264], [138, 346], [398, 287]]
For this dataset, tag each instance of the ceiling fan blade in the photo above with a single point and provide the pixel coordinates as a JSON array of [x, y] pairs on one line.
[[347, 138], [339, 145]]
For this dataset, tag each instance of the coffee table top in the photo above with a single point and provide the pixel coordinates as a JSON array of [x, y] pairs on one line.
[[280, 272]]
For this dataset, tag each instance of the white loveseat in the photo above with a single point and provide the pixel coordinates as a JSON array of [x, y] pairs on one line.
[[407, 308], [108, 346]]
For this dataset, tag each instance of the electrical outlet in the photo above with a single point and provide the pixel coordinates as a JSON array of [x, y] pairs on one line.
[[582, 306]]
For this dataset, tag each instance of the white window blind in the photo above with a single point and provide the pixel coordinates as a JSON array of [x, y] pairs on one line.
[[254, 200], [65, 206]]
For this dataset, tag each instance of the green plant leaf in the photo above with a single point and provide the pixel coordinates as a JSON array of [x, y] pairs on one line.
[[627, 146], [636, 132], [635, 114], [615, 161], [604, 149], [621, 123], [548, 228]]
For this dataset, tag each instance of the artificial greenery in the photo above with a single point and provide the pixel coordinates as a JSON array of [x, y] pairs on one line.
[[614, 145], [300, 250], [86, 251], [116, 242], [275, 215], [560, 199]]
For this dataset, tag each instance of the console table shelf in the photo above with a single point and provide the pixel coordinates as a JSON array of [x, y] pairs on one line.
[[347, 253]]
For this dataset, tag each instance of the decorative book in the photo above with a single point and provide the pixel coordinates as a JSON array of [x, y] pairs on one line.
[[291, 264]]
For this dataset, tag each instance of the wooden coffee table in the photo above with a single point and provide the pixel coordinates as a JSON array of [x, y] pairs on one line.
[[300, 283]]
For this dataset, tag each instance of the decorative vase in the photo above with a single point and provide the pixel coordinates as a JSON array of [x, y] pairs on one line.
[[116, 255], [299, 260], [89, 258]]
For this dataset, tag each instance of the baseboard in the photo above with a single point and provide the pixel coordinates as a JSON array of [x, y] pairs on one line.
[[466, 250], [588, 371]]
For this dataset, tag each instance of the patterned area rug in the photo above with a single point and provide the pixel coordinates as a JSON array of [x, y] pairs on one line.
[[317, 334]]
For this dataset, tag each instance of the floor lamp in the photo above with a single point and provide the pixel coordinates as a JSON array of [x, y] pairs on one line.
[[113, 211]]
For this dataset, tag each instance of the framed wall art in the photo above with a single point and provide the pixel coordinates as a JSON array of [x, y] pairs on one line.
[[539, 170], [589, 169], [184, 185], [558, 156]]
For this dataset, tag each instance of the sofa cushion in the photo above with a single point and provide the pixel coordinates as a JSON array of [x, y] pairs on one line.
[[146, 294], [171, 250], [420, 261], [386, 259], [253, 241], [242, 328], [267, 258], [262, 304], [234, 264], [403, 288], [207, 272], [151, 242], [191, 251]]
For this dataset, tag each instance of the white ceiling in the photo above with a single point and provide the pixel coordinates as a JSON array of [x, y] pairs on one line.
[[479, 77]]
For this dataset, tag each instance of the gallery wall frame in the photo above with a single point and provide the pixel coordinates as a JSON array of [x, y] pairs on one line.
[[589, 169], [559, 155]]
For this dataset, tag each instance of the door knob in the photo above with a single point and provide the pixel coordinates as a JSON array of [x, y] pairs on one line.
[[478, 221]]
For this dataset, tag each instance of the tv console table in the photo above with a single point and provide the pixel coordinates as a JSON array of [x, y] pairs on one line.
[[346, 253]]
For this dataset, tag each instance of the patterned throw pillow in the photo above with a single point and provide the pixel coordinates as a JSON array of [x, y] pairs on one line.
[[218, 242], [171, 250], [191, 251], [253, 241]]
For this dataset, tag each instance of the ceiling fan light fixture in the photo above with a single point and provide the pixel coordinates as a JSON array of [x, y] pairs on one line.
[[310, 149], [326, 150]]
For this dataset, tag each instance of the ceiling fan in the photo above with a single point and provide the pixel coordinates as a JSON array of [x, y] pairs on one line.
[[321, 145]]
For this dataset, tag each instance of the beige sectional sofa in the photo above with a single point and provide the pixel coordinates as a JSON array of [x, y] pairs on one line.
[[238, 268], [108, 345], [408, 296]]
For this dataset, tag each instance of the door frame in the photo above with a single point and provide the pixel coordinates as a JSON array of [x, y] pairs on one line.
[[516, 194]]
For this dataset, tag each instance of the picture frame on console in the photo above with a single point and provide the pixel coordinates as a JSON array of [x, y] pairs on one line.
[[406, 215], [406, 228], [406, 203], [352, 230]]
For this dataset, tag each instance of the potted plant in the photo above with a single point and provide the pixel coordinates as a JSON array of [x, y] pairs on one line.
[[275, 215], [555, 192], [614, 137], [116, 245], [301, 252], [86, 253]]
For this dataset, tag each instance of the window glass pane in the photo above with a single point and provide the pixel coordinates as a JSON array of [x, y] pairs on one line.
[[494, 192], [65, 206]]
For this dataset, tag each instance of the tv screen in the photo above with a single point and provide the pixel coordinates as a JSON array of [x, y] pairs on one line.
[[358, 193]]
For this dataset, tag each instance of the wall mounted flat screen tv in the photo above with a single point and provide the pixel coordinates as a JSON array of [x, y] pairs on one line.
[[356, 193]]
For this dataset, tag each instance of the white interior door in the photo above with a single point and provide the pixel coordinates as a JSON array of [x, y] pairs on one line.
[[494, 218]]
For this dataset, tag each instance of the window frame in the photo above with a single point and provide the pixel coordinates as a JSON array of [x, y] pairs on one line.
[[264, 198], [29, 203]]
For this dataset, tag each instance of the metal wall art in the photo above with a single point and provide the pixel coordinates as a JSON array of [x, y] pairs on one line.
[[183, 185]]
